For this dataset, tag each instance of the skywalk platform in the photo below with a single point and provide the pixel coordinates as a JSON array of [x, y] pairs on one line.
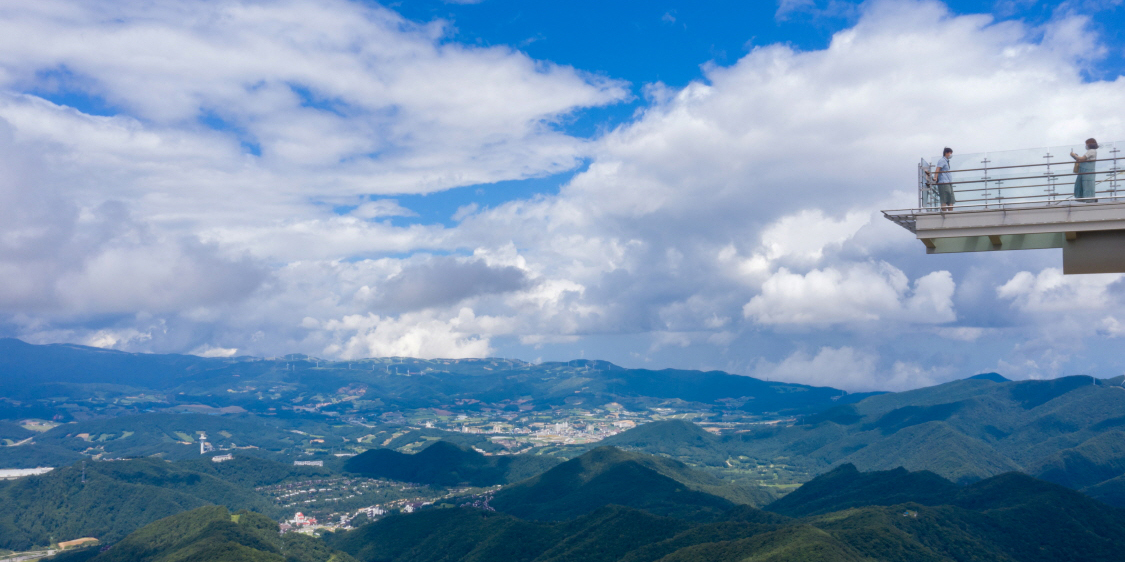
[[1005, 203]]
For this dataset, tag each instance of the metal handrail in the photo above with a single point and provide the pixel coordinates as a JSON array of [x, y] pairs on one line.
[[1060, 163], [1117, 200], [1072, 174]]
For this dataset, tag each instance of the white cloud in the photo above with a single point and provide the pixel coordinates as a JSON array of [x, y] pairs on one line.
[[208, 351], [858, 293], [1112, 327], [381, 208], [803, 236], [842, 367], [850, 369], [411, 335], [113, 339], [1050, 291], [339, 98], [962, 333], [752, 189]]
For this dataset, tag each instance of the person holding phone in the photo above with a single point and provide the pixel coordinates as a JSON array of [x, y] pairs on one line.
[[1084, 168]]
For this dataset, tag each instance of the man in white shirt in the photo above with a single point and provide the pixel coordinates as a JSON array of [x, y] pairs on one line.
[[945, 180]]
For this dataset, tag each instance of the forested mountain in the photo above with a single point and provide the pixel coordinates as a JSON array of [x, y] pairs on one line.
[[119, 497], [447, 464], [845, 488], [580, 486], [573, 512], [1068, 431], [915, 517], [607, 475], [213, 534]]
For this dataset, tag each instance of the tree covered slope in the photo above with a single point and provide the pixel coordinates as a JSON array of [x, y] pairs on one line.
[[1070, 431], [843, 516], [446, 464], [116, 499], [213, 534]]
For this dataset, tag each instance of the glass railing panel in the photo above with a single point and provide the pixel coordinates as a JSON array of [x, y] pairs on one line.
[[1025, 177]]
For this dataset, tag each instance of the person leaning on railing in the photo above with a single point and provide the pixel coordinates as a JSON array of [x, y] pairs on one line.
[[1084, 167], [945, 180]]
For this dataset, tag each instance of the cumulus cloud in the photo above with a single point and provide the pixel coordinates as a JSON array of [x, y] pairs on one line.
[[279, 97], [67, 261], [1050, 291], [850, 369], [859, 293], [410, 335], [444, 281], [230, 185], [842, 367]]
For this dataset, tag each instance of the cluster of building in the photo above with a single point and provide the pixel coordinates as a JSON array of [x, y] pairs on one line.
[[299, 523]]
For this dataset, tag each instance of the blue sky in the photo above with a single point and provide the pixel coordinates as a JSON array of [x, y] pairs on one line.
[[657, 185]]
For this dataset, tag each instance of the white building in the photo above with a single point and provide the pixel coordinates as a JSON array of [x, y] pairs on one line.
[[13, 473]]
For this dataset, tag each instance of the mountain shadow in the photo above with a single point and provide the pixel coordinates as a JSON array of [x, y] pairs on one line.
[[606, 476], [446, 464], [846, 487]]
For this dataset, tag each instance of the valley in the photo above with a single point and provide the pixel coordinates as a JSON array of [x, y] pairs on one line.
[[465, 453]]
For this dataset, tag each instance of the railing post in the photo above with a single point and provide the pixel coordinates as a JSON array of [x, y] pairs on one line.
[[1051, 179], [985, 178], [1113, 173], [921, 187]]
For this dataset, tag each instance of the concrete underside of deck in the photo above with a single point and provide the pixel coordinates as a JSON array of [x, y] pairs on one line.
[[1091, 236]]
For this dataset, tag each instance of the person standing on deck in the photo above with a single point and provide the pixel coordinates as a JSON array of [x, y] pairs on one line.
[[945, 180], [1084, 167]]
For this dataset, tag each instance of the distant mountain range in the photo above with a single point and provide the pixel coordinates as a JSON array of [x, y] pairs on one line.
[[32, 374]]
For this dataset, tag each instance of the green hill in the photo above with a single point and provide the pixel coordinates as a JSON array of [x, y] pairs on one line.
[[1066, 430], [845, 488], [677, 439], [1097, 459], [606, 476], [12, 432], [446, 464], [1011, 517], [116, 498], [605, 535], [251, 472], [1111, 491], [33, 454], [212, 534]]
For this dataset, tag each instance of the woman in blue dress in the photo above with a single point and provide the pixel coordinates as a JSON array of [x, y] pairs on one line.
[[1084, 167]]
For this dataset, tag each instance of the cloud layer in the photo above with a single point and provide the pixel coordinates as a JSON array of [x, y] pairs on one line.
[[218, 176]]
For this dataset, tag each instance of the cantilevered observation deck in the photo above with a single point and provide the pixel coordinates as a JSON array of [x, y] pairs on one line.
[[1024, 200]]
